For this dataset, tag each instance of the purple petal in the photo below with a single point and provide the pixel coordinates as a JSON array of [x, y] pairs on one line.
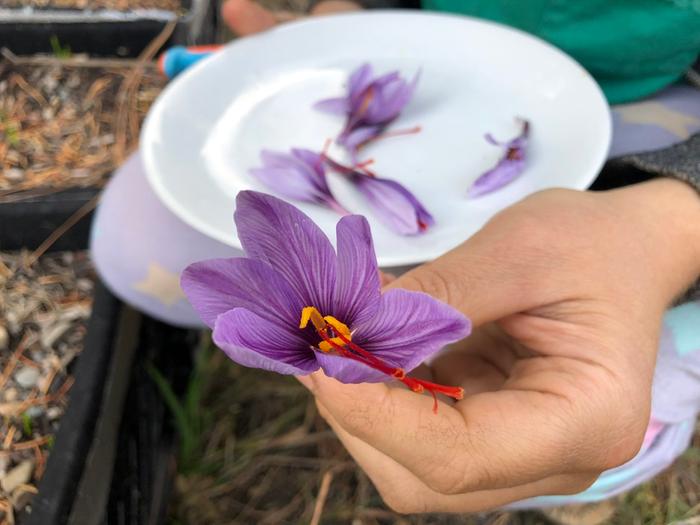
[[216, 286], [334, 106], [277, 233], [391, 100], [357, 289], [252, 341], [356, 138], [359, 81], [395, 205], [299, 175], [313, 160], [509, 166], [409, 327], [491, 140], [504, 172], [349, 371], [289, 183]]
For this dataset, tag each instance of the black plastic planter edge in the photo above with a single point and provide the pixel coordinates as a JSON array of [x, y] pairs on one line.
[[93, 491], [28, 223], [103, 34], [57, 488]]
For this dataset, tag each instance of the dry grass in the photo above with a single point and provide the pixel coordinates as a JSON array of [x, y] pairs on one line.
[[68, 123], [263, 455]]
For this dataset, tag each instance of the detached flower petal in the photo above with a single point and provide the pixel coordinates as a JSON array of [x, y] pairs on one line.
[[370, 105], [296, 305], [508, 168], [299, 175], [395, 205]]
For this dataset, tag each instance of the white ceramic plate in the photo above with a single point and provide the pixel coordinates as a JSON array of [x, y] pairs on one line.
[[206, 130]]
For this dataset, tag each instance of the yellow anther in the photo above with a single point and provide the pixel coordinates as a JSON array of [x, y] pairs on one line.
[[327, 346], [310, 313], [339, 327]]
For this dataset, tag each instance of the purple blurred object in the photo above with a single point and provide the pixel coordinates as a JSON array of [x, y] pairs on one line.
[[393, 203], [299, 175], [508, 168], [371, 104]]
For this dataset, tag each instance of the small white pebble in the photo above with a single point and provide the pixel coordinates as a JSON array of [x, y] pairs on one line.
[[10, 395], [34, 411], [4, 338], [54, 413], [27, 377], [19, 475], [14, 174]]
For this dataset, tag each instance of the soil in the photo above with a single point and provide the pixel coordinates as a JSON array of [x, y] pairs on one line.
[[44, 307]]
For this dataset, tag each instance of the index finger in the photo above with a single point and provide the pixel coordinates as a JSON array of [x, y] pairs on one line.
[[487, 441]]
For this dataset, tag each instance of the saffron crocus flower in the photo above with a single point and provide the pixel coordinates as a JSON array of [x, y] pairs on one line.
[[294, 305], [371, 104], [393, 203], [299, 175], [508, 168]]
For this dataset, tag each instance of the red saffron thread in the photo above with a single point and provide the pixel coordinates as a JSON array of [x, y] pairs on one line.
[[416, 385]]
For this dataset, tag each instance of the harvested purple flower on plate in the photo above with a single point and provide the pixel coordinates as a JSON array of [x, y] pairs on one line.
[[371, 104], [294, 305], [508, 168], [395, 205], [299, 175]]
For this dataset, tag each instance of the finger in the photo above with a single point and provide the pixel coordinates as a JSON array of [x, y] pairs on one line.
[[386, 278], [487, 441], [405, 493], [246, 17]]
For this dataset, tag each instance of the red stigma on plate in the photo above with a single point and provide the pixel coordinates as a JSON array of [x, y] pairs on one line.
[[514, 154], [389, 134], [366, 101], [364, 164], [422, 226], [338, 338]]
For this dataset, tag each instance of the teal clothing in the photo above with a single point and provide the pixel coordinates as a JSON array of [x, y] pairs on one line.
[[632, 47]]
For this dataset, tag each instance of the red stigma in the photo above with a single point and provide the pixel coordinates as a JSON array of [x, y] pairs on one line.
[[356, 353]]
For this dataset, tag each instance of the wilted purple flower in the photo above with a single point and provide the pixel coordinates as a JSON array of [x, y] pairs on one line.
[[294, 305], [370, 105], [299, 175], [395, 205], [508, 168]]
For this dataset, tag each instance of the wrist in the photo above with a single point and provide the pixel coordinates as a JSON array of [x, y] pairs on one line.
[[666, 214]]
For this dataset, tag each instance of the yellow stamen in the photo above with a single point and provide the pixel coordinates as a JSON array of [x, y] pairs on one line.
[[327, 346], [339, 327], [311, 313]]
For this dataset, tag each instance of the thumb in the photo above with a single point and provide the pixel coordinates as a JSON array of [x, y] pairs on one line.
[[246, 17], [490, 276]]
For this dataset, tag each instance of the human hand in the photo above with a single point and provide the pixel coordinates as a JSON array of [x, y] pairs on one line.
[[246, 17], [567, 290]]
